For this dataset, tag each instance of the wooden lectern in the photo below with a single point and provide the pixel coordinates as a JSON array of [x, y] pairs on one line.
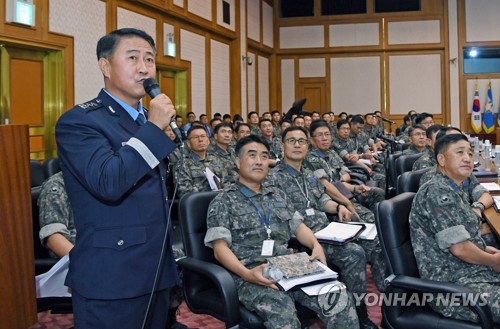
[[17, 273]]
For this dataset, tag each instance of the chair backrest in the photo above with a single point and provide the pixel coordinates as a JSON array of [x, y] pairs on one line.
[[405, 163], [37, 173], [193, 220], [51, 166], [391, 218], [410, 180], [391, 168]]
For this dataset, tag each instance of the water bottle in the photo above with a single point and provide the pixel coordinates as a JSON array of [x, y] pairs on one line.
[[487, 155], [273, 274], [476, 150], [497, 159]]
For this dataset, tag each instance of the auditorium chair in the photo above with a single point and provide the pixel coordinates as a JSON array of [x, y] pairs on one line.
[[207, 286], [51, 166], [391, 177], [410, 180], [391, 219], [405, 163]]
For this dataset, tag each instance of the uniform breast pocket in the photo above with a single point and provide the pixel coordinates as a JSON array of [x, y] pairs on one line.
[[119, 238]]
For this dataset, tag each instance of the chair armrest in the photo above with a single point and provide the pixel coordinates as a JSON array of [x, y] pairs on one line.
[[224, 283], [423, 285], [359, 171]]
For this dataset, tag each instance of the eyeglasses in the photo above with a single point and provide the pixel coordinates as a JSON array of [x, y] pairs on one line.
[[418, 134], [292, 141], [321, 135], [198, 137]]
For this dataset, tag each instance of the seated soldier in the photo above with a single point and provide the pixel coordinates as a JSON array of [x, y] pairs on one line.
[[478, 196], [57, 226], [321, 157], [241, 219], [353, 153], [223, 151], [309, 197], [418, 141], [428, 160], [275, 155], [445, 231], [190, 172]]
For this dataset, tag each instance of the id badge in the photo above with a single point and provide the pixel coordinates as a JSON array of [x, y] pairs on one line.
[[310, 212], [267, 248]]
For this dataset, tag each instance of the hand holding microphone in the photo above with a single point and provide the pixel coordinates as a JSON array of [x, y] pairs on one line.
[[161, 110]]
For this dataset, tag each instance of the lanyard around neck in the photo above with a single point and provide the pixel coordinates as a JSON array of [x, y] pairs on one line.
[[304, 191], [267, 224]]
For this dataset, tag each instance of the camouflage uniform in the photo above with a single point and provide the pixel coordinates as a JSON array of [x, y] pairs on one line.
[[344, 147], [276, 131], [334, 167], [404, 137], [255, 130], [425, 161], [233, 218], [412, 150], [56, 215], [441, 217], [371, 132], [275, 148], [227, 159], [351, 257], [190, 173]]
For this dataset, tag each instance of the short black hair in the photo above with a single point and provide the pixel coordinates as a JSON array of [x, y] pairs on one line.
[[414, 127], [202, 115], [422, 116], [217, 115], [189, 113], [317, 124], [444, 131], [285, 120], [250, 114], [214, 119], [293, 128], [221, 125], [432, 129], [226, 116], [247, 140], [357, 119], [443, 143], [238, 126], [265, 120], [195, 127], [299, 116], [237, 117], [342, 122], [177, 116], [106, 45], [275, 111]]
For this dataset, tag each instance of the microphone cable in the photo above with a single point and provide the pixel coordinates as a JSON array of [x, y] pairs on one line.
[[160, 260]]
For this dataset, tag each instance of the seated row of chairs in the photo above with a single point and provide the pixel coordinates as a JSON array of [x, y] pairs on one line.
[[209, 289], [396, 165]]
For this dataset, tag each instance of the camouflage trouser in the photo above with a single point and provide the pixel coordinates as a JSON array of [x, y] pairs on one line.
[[490, 240], [351, 260], [277, 308], [466, 313], [378, 175], [365, 214], [375, 256], [375, 195]]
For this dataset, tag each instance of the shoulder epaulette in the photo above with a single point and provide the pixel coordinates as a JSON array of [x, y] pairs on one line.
[[91, 105]]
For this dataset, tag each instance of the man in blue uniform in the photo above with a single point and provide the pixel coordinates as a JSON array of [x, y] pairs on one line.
[[111, 151]]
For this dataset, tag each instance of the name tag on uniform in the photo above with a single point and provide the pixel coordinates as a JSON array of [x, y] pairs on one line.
[[310, 212], [267, 248]]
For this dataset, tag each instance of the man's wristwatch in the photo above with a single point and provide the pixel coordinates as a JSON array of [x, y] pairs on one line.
[[479, 205]]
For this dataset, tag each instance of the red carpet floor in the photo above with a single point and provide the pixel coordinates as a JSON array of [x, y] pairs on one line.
[[46, 320]]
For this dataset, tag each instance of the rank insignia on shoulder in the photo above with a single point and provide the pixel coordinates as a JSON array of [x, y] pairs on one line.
[[93, 104]]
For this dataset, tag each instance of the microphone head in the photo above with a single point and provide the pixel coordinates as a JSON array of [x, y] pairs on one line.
[[150, 85]]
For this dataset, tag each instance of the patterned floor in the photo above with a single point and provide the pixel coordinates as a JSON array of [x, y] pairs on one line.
[[47, 320]]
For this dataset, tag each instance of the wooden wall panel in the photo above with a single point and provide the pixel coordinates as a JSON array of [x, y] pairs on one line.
[[26, 92]]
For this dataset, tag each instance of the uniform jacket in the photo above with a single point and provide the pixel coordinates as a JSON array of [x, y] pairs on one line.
[[114, 176]]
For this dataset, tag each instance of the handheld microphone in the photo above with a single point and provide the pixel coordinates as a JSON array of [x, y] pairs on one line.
[[384, 119], [153, 89]]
